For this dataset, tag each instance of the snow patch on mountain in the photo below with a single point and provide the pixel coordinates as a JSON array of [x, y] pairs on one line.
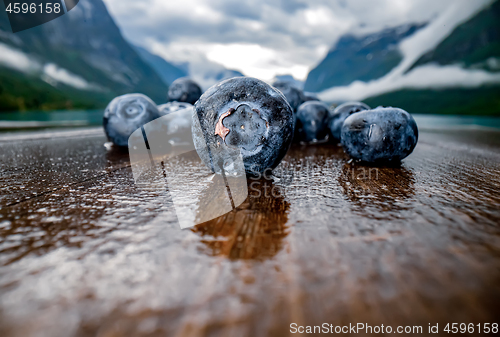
[[54, 74], [425, 77], [16, 59], [51, 73], [412, 48], [428, 38]]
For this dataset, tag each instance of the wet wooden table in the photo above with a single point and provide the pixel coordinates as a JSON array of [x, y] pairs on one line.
[[84, 252]]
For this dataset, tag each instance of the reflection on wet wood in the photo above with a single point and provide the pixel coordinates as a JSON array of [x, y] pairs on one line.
[[85, 252], [367, 186], [254, 230]]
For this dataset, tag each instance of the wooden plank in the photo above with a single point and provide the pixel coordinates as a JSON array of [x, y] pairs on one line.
[[326, 242], [34, 164]]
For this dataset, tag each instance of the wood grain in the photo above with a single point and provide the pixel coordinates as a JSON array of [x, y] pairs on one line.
[[84, 252]]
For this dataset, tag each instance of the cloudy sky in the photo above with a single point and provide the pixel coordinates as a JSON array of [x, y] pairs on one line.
[[261, 38]]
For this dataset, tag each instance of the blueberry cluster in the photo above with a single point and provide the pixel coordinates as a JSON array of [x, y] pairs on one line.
[[246, 117], [340, 114], [127, 113], [375, 136]]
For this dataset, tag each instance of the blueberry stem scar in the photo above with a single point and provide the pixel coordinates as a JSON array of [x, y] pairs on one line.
[[220, 129]]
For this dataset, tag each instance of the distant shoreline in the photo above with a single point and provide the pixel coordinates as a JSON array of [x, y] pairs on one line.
[[62, 119]]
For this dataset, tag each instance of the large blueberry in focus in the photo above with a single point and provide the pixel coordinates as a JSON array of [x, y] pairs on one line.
[[339, 115], [127, 113], [292, 94], [312, 121], [170, 107], [184, 89], [381, 135], [246, 116]]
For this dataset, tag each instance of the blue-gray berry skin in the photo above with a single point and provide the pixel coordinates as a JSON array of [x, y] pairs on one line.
[[180, 123], [312, 121], [381, 135], [309, 96], [127, 113], [170, 107], [184, 89], [339, 115], [293, 95], [243, 115]]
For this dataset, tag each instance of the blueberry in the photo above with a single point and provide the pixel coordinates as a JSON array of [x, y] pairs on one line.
[[292, 94], [379, 135], [127, 113], [178, 124], [309, 96], [184, 90], [243, 116], [312, 121], [339, 115], [170, 107]]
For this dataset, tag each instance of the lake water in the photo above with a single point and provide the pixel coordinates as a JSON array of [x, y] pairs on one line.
[[79, 118], [44, 119]]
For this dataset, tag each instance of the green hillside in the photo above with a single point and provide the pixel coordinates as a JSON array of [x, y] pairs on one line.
[[85, 42], [478, 101], [359, 58], [471, 43], [21, 93]]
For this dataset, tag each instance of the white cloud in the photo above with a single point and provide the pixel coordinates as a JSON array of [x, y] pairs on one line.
[[265, 38], [18, 60], [296, 33], [429, 37], [424, 77], [319, 16], [255, 59], [52, 72], [428, 76]]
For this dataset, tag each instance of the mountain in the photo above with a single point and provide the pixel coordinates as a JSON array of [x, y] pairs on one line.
[[205, 72], [473, 45], [484, 100], [359, 58], [450, 66], [167, 71], [77, 60]]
